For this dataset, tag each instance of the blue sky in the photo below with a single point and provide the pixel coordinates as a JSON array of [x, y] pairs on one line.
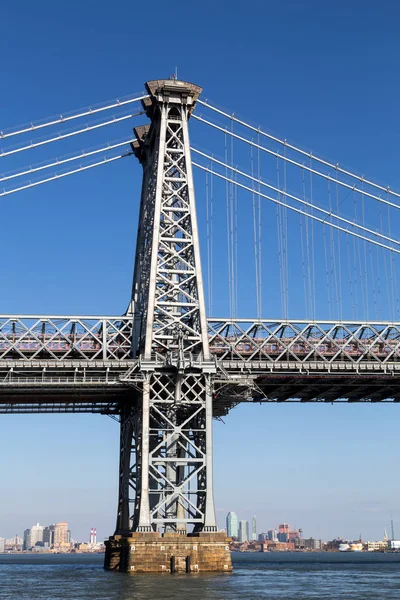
[[323, 76]]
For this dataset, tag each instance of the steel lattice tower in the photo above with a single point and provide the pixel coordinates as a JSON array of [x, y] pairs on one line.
[[166, 436]]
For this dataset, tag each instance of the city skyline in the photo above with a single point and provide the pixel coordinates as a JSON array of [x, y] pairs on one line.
[[56, 536], [379, 531], [61, 533], [285, 537]]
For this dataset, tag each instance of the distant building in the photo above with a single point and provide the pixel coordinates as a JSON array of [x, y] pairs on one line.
[[33, 536], [376, 546], [276, 546], [333, 545], [253, 529], [48, 536], [27, 539], [312, 544], [294, 535], [36, 536], [284, 532], [60, 534], [262, 537], [2, 545], [243, 531], [83, 547], [93, 533], [232, 525], [394, 544], [272, 535], [14, 544]]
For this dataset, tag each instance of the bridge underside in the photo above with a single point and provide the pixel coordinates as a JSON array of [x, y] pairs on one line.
[[105, 387]]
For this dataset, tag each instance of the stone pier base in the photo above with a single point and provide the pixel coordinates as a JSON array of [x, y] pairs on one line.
[[168, 553]]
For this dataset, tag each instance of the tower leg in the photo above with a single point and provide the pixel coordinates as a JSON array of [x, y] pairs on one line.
[[173, 524], [174, 514]]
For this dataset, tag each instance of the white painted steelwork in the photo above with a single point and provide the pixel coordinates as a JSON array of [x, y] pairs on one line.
[[32, 338], [172, 437]]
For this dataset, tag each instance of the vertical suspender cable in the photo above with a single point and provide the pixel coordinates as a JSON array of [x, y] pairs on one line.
[[339, 254], [228, 231], [313, 298], [395, 301], [208, 243], [260, 283], [367, 315], [235, 198], [378, 293], [309, 280], [388, 297], [327, 273], [232, 228], [357, 284], [371, 262], [350, 271], [302, 248], [334, 286], [255, 236], [211, 241], [285, 242], [279, 225]]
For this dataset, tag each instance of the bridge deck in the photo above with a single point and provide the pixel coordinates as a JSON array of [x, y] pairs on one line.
[[81, 363]]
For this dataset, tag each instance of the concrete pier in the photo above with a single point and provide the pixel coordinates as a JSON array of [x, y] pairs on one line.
[[168, 553]]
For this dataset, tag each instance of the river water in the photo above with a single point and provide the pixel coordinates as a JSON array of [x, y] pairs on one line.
[[256, 576]]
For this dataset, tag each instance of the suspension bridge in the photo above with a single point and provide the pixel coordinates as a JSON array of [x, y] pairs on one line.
[[163, 368]]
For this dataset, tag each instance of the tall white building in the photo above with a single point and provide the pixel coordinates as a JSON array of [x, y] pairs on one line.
[[232, 525], [2, 545], [243, 531], [33, 536], [36, 534], [253, 529], [93, 536]]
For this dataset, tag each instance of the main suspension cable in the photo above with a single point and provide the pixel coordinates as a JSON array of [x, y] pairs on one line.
[[301, 165], [299, 211], [58, 162], [359, 178], [328, 213], [59, 176], [62, 136], [64, 119]]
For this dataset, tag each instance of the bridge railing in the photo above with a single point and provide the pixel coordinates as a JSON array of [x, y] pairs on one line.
[[91, 338]]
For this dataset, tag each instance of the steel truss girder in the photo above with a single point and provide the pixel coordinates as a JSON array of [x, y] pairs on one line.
[[64, 338], [268, 342], [259, 344]]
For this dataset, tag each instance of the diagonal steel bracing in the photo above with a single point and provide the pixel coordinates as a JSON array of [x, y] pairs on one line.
[[173, 477]]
